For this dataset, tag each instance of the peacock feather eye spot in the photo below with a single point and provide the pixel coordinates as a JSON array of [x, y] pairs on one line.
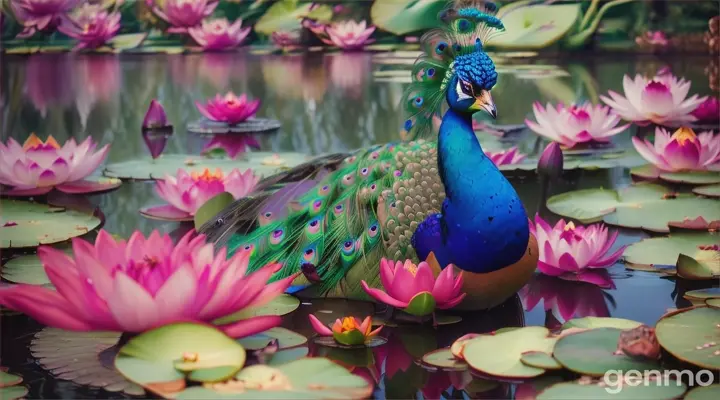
[[313, 223], [457, 48], [397, 172], [418, 101], [309, 252], [348, 243], [247, 247], [374, 155], [440, 48], [364, 171], [277, 233], [393, 205], [408, 125], [431, 72], [373, 187], [324, 188], [339, 207], [268, 214]]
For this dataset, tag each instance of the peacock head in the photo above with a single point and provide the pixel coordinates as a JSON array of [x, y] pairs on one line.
[[473, 76]]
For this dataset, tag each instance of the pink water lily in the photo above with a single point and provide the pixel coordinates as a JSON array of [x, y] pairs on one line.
[[183, 14], [230, 109], [506, 157], [231, 145], [144, 283], [653, 38], [708, 111], [349, 331], [186, 193], [91, 26], [683, 151], [286, 39], [564, 299], [347, 35], [40, 15], [660, 100], [219, 34], [36, 167], [406, 284], [575, 253], [576, 124], [551, 161]]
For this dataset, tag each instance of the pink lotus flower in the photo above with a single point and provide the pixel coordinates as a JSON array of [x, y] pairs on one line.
[[551, 161], [653, 38], [564, 299], [660, 100], [285, 39], [36, 167], [408, 285], [708, 111], [683, 151], [318, 28], [155, 116], [573, 125], [349, 331], [40, 15], [218, 34], [92, 26], [506, 157], [575, 253], [348, 35], [183, 14], [230, 109], [188, 192], [141, 284], [232, 145]]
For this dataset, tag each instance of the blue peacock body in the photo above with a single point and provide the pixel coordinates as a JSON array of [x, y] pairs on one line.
[[335, 217]]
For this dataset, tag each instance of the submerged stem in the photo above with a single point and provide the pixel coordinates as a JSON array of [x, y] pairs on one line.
[[107, 356], [588, 14]]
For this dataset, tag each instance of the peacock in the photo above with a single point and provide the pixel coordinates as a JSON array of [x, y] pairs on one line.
[[433, 196]]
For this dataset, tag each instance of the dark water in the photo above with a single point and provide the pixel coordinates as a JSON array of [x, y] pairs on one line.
[[325, 103]]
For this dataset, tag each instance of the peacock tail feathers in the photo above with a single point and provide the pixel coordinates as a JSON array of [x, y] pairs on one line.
[[454, 48]]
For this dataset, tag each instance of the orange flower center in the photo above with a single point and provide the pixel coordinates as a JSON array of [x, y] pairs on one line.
[[349, 324], [684, 135], [33, 142], [207, 176], [412, 268], [570, 226]]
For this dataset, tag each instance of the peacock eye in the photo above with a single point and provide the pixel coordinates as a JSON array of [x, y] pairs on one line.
[[464, 90]]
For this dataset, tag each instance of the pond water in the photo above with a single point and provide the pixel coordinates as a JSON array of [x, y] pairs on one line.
[[329, 103]]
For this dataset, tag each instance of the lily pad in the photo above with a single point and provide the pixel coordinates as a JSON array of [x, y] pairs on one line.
[[13, 392], [705, 265], [128, 41], [711, 392], [708, 191], [329, 341], [212, 207], [285, 337], [539, 359], [692, 335], [27, 269], [288, 355], [281, 305], [458, 346], [534, 27], [443, 359], [9, 379], [700, 296], [27, 224], [592, 353], [165, 212], [601, 322], [162, 358], [405, 16], [713, 303], [252, 125], [599, 390], [285, 15], [662, 253], [305, 379], [687, 177], [264, 164], [499, 354]]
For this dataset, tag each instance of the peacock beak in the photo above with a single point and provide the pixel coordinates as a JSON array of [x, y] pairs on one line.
[[485, 102]]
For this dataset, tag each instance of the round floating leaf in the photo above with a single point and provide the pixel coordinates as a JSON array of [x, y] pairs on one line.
[[405, 16], [160, 359], [534, 27], [281, 305], [698, 297], [663, 252], [590, 205], [601, 322], [688, 334], [655, 215], [9, 379], [26, 269], [444, 359], [212, 207], [539, 359], [708, 191], [166, 213], [330, 341], [13, 392], [713, 303], [286, 15], [692, 178], [499, 354], [458, 346], [27, 224], [285, 337], [128, 41], [599, 390], [699, 268], [711, 392], [288, 355], [305, 379], [593, 353], [252, 125], [264, 164]]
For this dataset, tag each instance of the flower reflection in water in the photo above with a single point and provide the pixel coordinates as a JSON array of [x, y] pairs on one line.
[[98, 80], [47, 81], [217, 68], [295, 77], [349, 72], [565, 299], [230, 145]]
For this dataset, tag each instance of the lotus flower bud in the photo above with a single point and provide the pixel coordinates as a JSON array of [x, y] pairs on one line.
[[551, 161], [155, 116]]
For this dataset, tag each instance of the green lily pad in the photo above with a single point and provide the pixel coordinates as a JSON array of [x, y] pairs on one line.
[[539, 359], [304, 379], [499, 354], [405, 16], [13, 392], [7, 379], [687, 177], [146, 168], [212, 207], [26, 269], [285, 337], [421, 304], [27, 224], [700, 296], [711, 392], [534, 27], [281, 305], [443, 359], [688, 333], [599, 390], [285, 15], [330, 341], [288, 355], [713, 303], [708, 191], [699, 268], [600, 322], [592, 353], [128, 41], [662, 252], [161, 359]]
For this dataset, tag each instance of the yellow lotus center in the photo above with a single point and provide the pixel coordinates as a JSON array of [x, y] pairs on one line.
[[34, 142], [684, 135], [412, 268], [207, 176], [190, 357], [570, 226], [349, 324]]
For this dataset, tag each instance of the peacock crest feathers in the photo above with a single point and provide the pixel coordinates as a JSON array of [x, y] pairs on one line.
[[456, 48]]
